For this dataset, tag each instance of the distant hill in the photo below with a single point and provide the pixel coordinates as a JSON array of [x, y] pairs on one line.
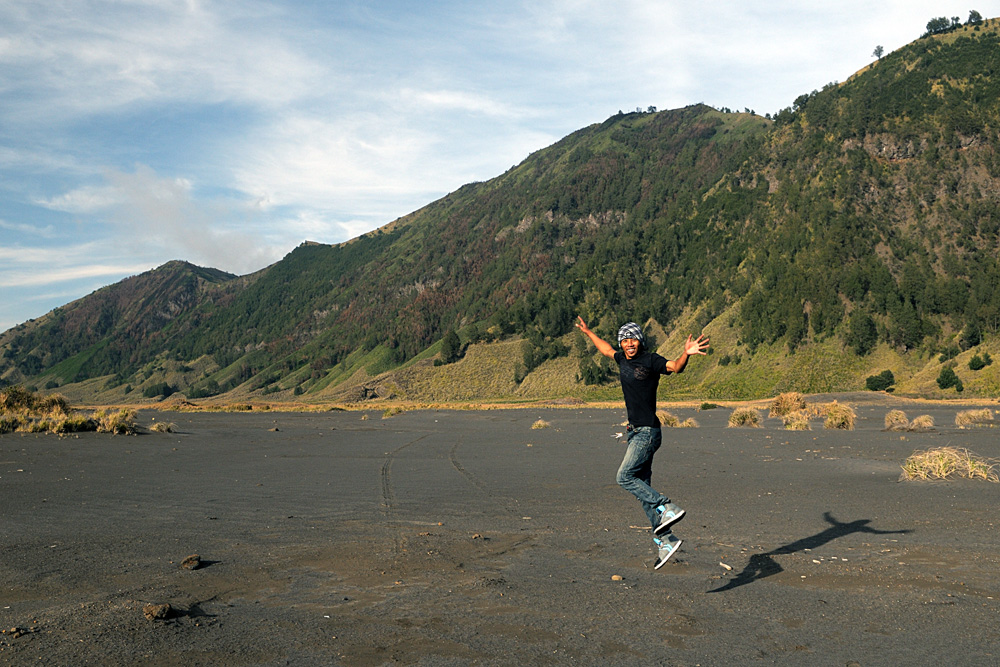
[[857, 231]]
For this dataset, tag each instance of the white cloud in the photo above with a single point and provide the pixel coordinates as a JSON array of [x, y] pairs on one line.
[[457, 100], [67, 274], [85, 199], [22, 228], [99, 56]]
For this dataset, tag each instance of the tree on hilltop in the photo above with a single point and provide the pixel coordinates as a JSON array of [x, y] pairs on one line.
[[938, 25]]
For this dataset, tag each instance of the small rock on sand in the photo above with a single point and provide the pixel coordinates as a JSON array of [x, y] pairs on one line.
[[156, 611], [192, 562], [616, 577]]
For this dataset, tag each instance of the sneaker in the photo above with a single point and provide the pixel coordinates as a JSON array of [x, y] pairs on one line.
[[666, 547], [669, 515]]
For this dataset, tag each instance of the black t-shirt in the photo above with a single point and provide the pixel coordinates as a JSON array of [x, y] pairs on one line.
[[640, 377]]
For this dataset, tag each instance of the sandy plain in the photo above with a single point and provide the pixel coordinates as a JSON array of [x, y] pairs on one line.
[[453, 537]]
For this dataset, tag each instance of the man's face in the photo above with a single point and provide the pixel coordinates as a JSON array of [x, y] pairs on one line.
[[630, 346]]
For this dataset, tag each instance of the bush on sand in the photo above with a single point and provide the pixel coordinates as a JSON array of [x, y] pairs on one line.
[[947, 462], [798, 420], [163, 427], [896, 420], [786, 403], [839, 416], [745, 417], [922, 423], [121, 422], [971, 418], [667, 419]]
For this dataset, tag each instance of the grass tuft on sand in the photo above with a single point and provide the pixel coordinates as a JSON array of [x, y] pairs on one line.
[[541, 423], [797, 420], [948, 462], [121, 422], [24, 411], [392, 412], [922, 423], [745, 417], [787, 403], [838, 416], [973, 418], [896, 420], [667, 419], [163, 427]]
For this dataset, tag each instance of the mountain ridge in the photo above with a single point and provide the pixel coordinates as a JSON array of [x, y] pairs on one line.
[[863, 216]]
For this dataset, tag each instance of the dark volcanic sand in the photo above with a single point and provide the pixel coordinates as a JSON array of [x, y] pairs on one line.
[[461, 537]]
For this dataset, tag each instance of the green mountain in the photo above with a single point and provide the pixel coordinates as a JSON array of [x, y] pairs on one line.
[[855, 232]]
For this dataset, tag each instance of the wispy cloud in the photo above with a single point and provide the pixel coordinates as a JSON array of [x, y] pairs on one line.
[[97, 56], [51, 276], [26, 229]]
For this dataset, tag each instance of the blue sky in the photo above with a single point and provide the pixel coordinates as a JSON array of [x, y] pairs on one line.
[[133, 132]]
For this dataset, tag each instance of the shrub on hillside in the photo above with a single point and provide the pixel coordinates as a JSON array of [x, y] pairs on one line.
[[881, 382], [949, 353], [978, 363], [947, 379], [158, 389]]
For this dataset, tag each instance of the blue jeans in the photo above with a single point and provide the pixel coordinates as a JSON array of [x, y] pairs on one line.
[[636, 470]]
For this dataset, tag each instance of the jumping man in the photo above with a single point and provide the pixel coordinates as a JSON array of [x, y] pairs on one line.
[[640, 371]]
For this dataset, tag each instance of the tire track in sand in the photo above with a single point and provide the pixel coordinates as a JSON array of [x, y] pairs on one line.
[[389, 497]]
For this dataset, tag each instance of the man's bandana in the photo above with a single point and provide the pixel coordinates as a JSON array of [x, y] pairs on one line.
[[630, 330]]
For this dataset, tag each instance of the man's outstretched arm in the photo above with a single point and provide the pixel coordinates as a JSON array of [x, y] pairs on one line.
[[699, 346], [603, 346]]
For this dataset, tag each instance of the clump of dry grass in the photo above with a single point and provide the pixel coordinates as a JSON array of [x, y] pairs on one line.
[[797, 420], [689, 423], [121, 422], [970, 418], [745, 417], [13, 399], [541, 423], [392, 412], [667, 419], [839, 416], [786, 403], [946, 462], [24, 411], [896, 420], [163, 427]]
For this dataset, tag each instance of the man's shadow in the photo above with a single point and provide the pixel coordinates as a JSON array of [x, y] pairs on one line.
[[764, 565]]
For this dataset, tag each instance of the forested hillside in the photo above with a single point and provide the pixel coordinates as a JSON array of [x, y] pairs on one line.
[[862, 222]]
